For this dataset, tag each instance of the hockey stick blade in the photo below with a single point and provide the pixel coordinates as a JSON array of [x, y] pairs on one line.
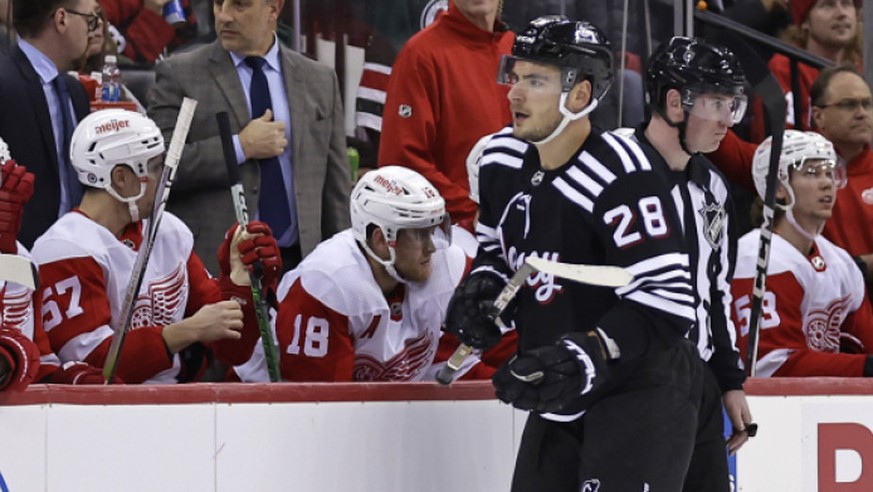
[[162, 194], [18, 269], [599, 275], [237, 191]]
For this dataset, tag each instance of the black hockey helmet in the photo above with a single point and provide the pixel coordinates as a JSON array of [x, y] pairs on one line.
[[693, 66], [580, 49]]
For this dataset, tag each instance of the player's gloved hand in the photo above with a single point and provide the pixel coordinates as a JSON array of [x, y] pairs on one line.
[[254, 249], [468, 316], [19, 360], [16, 188], [548, 379], [80, 373]]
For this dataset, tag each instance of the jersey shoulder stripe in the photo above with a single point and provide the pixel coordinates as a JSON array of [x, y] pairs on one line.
[[504, 150]]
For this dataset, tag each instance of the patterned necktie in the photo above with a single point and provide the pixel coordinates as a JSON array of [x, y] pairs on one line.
[[273, 205], [69, 177]]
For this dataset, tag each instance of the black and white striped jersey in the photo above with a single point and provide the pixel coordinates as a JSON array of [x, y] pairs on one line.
[[703, 201], [606, 206]]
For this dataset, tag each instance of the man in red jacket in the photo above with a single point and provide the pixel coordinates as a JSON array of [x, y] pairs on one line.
[[443, 96]]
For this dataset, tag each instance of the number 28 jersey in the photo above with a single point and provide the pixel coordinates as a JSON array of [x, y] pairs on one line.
[[605, 206]]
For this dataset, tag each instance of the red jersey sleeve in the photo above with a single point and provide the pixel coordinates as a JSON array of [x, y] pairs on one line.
[[314, 341]]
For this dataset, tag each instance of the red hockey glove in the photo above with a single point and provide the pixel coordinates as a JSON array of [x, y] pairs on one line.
[[551, 378], [255, 250], [16, 188], [79, 373], [20, 357]]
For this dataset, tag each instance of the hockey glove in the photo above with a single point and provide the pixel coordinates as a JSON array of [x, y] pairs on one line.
[[20, 357], [16, 188], [255, 250], [80, 373], [549, 379], [470, 315]]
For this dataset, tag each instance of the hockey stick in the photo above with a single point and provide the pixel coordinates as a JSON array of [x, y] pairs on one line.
[[765, 86], [18, 269], [162, 194], [600, 275], [242, 216]]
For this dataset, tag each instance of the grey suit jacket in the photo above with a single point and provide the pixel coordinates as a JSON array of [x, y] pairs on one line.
[[201, 194]]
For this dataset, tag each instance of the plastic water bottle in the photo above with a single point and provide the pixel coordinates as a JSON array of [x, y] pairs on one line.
[[110, 82]]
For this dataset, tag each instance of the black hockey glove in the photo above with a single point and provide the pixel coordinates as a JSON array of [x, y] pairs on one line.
[[470, 316], [548, 379]]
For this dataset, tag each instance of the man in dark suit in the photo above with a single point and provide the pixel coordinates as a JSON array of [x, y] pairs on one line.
[[42, 104], [283, 107]]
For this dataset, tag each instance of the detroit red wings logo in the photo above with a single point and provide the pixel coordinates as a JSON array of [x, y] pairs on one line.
[[822, 328], [164, 301], [415, 357]]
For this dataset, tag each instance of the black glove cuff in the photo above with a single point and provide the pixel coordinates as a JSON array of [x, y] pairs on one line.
[[868, 367]]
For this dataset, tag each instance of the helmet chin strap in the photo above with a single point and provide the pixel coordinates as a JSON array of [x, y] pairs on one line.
[[681, 126], [789, 215], [568, 116], [129, 200], [388, 264]]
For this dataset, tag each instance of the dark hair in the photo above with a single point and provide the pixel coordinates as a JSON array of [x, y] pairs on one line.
[[821, 84], [29, 17]]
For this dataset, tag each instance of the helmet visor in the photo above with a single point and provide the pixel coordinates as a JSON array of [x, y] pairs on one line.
[[439, 235], [715, 106], [532, 76], [816, 167]]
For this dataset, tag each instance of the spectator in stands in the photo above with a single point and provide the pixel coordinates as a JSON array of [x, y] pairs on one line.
[[842, 109], [41, 103], [816, 319], [147, 36], [830, 29], [442, 97], [100, 45], [25, 355], [368, 304], [87, 258], [287, 116]]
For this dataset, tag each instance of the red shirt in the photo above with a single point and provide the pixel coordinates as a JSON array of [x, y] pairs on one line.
[[442, 97]]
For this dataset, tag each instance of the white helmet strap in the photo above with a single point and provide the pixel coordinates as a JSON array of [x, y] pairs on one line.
[[568, 116], [129, 200]]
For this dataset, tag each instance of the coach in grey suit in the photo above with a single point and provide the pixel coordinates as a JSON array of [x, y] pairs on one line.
[[307, 133]]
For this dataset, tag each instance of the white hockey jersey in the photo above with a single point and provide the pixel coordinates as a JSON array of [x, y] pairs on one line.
[[85, 271], [810, 303], [335, 324]]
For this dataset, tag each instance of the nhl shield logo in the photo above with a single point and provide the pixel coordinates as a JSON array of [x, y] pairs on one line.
[[405, 111], [713, 223]]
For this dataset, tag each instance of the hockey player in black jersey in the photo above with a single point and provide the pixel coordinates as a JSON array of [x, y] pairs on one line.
[[695, 93], [612, 383]]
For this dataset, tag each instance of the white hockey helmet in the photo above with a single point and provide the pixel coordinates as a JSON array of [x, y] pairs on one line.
[[797, 148], [107, 138], [473, 163], [394, 198]]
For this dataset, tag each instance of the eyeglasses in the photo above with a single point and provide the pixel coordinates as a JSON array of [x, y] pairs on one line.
[[93, 19], [850, 105]]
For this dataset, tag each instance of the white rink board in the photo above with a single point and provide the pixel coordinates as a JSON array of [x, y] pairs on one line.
[[280, 437]]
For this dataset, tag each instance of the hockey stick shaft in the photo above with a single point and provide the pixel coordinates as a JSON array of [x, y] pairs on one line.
[[242, 216], [600, 275], [162, 194]]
